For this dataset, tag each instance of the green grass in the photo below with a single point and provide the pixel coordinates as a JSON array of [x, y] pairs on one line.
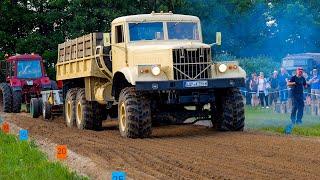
[[267, 120], [22, 160]]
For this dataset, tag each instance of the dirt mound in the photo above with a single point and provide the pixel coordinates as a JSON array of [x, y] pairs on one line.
[[186, 152]]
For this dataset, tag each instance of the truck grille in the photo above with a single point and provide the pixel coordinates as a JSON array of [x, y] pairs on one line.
[[192, 63]]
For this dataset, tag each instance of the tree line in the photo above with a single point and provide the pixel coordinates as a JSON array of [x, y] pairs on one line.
[[250, 28]]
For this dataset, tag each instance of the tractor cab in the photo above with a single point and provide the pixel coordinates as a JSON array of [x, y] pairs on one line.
[[23, 79], [23, 71]]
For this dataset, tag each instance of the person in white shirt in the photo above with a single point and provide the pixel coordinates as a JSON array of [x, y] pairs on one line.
[[262, 91]]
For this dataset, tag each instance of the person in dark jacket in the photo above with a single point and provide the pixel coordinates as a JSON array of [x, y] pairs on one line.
[[297, 83]]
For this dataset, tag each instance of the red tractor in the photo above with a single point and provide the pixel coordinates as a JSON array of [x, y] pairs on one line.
[[25, 78]]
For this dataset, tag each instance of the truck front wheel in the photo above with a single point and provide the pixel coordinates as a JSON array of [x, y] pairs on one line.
[[134, 114], [228, 114], [86, 118], [5, 98]]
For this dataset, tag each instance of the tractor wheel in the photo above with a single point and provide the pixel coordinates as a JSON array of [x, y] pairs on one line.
[[16, 101], [70, 107], [34, 107], [134, 114], [86, 118], [46, 111], [229, 110], [5, 98]]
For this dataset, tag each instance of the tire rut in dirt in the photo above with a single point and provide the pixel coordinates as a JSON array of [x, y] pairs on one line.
[[229, 114], [134, 114], [87, 114], [5, 98], [16, 101]]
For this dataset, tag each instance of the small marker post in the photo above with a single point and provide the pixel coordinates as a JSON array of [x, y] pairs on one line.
[[118, 175], [61, 152], [23, 134], [1, 120], [5, 127], [288, 129]]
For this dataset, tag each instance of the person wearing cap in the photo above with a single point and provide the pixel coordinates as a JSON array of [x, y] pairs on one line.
[[297, 84], [314, 83]]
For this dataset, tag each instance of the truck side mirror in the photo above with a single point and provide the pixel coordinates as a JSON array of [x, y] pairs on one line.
[[218, 38]]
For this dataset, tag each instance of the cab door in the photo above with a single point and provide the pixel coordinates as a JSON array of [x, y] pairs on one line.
[[119, 50]]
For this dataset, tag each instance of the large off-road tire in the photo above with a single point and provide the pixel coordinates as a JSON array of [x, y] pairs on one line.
[[229, 110], [5, 98], [46, 111], [34, 107], [134, 114], [86, 113], [70, 107], [16, 101]]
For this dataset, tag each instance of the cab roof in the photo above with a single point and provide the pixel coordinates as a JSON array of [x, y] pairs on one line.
[[24, 57], [155, 17]]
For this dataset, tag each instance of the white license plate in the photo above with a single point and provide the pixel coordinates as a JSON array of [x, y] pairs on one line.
[[196, 84], [30, 83]]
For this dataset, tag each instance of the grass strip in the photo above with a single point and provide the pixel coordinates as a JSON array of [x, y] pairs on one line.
[[23, 160]]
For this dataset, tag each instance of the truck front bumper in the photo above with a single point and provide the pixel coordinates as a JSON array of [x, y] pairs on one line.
[[189, 84]]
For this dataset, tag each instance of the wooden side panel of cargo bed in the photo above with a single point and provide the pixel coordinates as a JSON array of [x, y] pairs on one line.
[[76, 58]]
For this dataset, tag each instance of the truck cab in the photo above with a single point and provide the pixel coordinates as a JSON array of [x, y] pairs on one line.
[[160, 47], [307, 61]]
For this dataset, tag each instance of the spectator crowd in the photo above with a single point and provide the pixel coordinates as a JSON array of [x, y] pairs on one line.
[[264, 91]]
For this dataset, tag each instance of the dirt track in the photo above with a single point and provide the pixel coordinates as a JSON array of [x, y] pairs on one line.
[[186, 152]]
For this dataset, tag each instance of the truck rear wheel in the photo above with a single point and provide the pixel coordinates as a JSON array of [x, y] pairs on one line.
[[5, 98], [34, 107], [229, 112], [16, 101], [134, 114], [86, 118], [70, 107]]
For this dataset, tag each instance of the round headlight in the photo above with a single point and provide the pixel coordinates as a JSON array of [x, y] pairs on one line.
[[155, 70], [223, 68]]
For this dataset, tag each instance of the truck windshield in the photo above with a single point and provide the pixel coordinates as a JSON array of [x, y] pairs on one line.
[[29, 69], [183, 30], [146, 31]]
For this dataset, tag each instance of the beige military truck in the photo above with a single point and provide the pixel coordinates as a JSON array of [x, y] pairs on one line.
[[151, 68]]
